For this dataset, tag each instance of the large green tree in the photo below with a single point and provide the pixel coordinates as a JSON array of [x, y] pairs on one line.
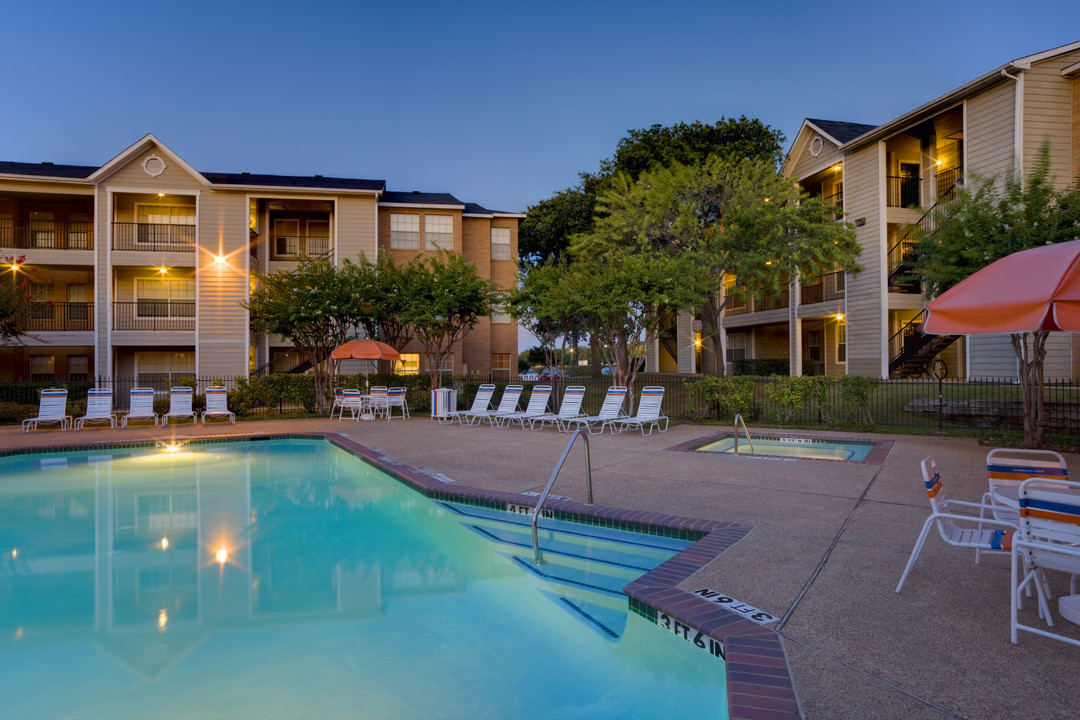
[[548, 303], [316, 307], [989, 219], [447, 298], [725, 216]]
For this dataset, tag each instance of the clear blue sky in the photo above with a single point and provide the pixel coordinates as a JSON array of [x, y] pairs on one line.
[[497, 103]]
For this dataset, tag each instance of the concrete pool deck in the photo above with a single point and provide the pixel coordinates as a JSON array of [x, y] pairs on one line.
[[828, 544]]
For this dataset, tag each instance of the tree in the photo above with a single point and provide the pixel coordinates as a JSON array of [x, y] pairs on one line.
[[986, 221], [316, 307], [448, 298], [15, 302], [548, 304], [389, 289], [723, 217]]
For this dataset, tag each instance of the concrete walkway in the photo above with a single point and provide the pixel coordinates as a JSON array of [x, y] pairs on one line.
[[830, 540]]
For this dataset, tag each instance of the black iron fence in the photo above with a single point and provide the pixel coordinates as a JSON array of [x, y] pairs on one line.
[[153, 236], [60, 317], [175, 315], [903, 405], [25, 234], [902, 191]]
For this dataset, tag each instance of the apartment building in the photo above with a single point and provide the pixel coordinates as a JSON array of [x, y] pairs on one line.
[[141, 266], [885, 179]]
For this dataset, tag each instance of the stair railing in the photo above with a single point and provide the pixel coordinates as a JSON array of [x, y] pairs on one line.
[[543, 496]]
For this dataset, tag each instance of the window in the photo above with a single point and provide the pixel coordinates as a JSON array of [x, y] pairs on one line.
[[409, 364], [499, 313], [438, 232], [165, 297], [42, 230], [78, 295], [404, 232], [286, 237], [165, 223], [736, 347], [841, 341], [78, 367], [500, 363], [163, 370], [447, 365], [500, 243], [42, 367], [813, 345], [318, 242], [41, 307], [79, 225]]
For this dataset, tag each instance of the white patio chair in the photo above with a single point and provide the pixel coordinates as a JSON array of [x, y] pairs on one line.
[[180, 405], [217, 405], [395, 398], [52, 408], [570, 408], [98, 408], [610, 411], [1008, 468], [339, 396], [943, 514], [141, 407], [481, 402], [648, 413], [353, 402], [376, 400], [1048, 539], [537, 407], [507, 405]]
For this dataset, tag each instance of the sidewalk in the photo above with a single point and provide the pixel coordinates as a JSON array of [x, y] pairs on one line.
[[829, 543]]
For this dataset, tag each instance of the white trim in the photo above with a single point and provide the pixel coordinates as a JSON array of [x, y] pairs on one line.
[[1025, 63], [1071, 70], [46, 178], [434, 206], [110, 291], [279, 189], [248, 344], [133, 151], [883, 261]]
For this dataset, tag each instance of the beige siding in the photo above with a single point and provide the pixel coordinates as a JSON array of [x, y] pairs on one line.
[[989, 136], [1048, 116], [355, 223], [1058, 364], [990, 356], [221, 289], [687, 350], [807, 164], [866, 336]]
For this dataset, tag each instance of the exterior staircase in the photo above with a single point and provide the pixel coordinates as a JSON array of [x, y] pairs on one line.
[[911, 351]]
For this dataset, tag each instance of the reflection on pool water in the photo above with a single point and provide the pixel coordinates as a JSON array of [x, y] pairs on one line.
[[289, 579], [794, 447]]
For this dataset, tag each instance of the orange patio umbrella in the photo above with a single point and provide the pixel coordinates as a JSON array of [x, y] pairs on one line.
[[366, 349], [1036, 289]]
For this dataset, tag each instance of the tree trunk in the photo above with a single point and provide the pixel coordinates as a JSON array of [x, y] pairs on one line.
[[1030, 362], [596, 360], [712, 355]]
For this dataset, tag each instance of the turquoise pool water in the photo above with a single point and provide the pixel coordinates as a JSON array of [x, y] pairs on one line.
[[289, 579], [794, 447]]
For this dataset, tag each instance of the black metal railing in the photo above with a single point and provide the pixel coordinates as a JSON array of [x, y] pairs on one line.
[[904, 336], [153, 236], [291, 247], [151, 315], [26, 234], [60, 317], [831, 286], [836, 199], [948, 183], [902, 191], [773, 302], [741, 304]]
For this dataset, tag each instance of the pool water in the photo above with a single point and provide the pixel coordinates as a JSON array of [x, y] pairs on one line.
[[289, 579], [794, 447]]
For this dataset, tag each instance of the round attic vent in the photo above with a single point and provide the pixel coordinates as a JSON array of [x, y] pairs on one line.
[[815, 145], [153, 165]]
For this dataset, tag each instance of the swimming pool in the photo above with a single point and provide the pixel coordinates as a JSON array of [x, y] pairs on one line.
[[290, 579], [793, 447]]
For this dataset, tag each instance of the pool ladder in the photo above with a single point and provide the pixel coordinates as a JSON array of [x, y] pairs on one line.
[[739, 419], [555, 474]]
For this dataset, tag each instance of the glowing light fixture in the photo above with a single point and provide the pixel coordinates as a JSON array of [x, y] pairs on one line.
[[839, 316], [221, 260], [160, 194], [837, 167], [222, 555], [164, 543], [163, 620], [14, 553], [163, 269]]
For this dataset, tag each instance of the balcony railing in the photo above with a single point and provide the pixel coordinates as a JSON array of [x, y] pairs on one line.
[[836, 199], [830, 287], [153, 236], [291, 247], [25, 234], [748, 304], [60, 317], [902, 191], [152, 315], [948, 183]]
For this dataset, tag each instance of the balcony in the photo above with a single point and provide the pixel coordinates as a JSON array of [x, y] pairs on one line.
[[830, 286], [749, 304], [154, 315], [948, 183], [60, 317], [26, 234], [153, 236], [291, 247], [902, 191]]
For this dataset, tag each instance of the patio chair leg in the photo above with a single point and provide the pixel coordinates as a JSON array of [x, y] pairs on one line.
[[915, 551]]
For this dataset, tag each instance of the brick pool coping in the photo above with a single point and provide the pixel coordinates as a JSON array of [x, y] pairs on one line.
[[759, 682], [876, 456]]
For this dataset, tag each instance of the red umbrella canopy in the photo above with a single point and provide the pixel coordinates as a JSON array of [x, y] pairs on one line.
[[366, 349], [1036, 289]]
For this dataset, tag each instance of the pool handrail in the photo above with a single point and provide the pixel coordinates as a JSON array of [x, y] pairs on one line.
[[739, 419], [547, 489]]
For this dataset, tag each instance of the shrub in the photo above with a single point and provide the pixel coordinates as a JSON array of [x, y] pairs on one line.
[[723, 396]]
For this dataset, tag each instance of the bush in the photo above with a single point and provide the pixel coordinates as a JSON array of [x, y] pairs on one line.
[[723, 396], [758, 367]]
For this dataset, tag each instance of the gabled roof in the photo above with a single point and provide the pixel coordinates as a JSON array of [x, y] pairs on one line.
[[295, 181], [839, 131], [393, 197], [476, 210], [46, 170], [148, 141]]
